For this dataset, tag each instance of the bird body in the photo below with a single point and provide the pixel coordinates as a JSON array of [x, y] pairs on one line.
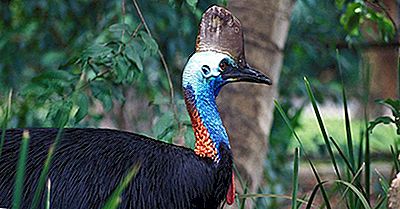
[[88, 164]]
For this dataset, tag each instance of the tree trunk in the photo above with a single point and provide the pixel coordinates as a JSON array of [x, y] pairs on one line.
[[246, 109], [383, 65]]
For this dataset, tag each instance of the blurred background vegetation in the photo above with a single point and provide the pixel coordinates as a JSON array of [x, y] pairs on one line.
[[83, 63]]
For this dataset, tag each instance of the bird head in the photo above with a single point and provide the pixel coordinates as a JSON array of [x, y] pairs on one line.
[[211, 70], [219, 57]]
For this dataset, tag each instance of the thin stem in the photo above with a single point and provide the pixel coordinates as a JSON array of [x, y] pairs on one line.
[[164, 63], [101, 74], [123, 11], [136, 31]]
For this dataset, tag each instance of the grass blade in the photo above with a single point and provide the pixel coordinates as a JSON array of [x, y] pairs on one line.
[[367, 173], [48, 185], [20, 175], [46, 167], [380, 202], [366, 78], [394, 158], [360, 196], [321, 126], [295, 177], [354, 180], [243, 203], [5, 121], [360, 150], [272, 196], [114, 199], [313, 194], [242, 184], [324, 195], [346, 115], [342, 155], [350, 149], [287, 121], [384, 183]]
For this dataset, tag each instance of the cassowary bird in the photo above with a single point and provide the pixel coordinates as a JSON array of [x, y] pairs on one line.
[[88, 164]]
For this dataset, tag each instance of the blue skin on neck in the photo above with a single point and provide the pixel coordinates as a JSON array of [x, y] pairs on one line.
[[201, 89]]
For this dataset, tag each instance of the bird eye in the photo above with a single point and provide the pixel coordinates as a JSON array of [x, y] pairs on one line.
[[205, 69], [223, 65]]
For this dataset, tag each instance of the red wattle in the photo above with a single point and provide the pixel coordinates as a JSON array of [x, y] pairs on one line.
[[230, 197]]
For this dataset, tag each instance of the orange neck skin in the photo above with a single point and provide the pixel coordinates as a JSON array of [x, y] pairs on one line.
[[204, 146]]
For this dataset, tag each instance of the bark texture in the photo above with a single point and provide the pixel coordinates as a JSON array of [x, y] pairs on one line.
[[247, 109]]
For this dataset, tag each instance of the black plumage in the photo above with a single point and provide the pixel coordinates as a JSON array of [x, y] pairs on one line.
[[89, 163]]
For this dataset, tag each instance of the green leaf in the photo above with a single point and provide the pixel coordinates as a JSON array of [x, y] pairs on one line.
[[163, 125], [121, 68], [339, 3], [151, 45], [106, 100], [192, 4], [394, 105], [134, 56], [82, 101], [102, 92], [379, 120], [119, 27], [97, 50], [58, 113], [52, 76], [351, 18]]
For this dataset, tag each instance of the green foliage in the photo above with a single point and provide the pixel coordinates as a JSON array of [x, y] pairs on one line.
[[394, 106], [311, 51], [82, 54], [360, 196], [357, 13], [317, 29]]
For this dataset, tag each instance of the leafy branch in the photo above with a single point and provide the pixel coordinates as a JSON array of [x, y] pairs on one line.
[[164, 63], [394, 106]]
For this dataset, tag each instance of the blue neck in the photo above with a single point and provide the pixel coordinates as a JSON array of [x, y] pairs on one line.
[[203, 100]]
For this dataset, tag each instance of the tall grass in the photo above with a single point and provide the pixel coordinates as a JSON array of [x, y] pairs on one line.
[[5, 121], [115, 198], [20, 175], [348, 177], [44, 173]]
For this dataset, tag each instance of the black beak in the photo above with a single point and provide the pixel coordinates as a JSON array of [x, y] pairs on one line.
[[245, 74]]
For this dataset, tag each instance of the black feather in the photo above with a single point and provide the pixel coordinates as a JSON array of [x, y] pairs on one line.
[[89, 163]]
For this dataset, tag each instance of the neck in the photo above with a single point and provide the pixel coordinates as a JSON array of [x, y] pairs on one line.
[[206, 122]]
